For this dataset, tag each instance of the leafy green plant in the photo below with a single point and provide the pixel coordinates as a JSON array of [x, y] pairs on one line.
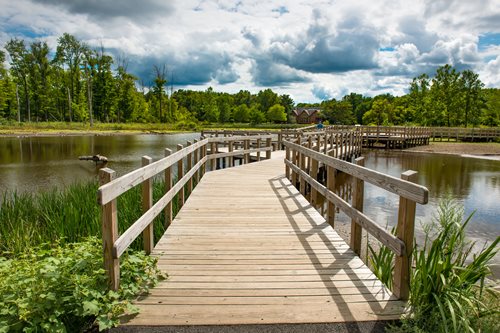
[[447, 290], [64, 288]]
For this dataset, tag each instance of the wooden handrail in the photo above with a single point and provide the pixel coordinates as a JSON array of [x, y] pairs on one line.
[[115, 245], [406, 189], [409, 193]]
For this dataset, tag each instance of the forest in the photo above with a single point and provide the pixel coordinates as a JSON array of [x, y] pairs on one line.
[[77, 83]]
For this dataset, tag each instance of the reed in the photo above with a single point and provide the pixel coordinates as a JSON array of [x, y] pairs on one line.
[[65, 216], [447, 291]]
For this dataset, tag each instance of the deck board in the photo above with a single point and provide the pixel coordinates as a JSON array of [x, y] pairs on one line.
[[247, 248]]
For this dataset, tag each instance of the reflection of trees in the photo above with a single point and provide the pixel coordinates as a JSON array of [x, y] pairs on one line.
[[439, 172]]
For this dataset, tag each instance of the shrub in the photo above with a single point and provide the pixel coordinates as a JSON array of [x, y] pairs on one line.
[[61, 288]]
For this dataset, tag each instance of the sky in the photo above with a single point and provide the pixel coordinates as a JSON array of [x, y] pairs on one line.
[[310, 50]]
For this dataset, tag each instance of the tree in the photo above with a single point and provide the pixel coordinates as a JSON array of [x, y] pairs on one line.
[[69, 53], [39, 79], [241, 114], [160, 81], [256, 116], [419, 100], [379, 113], [471, 88], [7, 91], [445, 88], [338, 112], [288, 103], [20, 68], [276, 113], [266, 99]]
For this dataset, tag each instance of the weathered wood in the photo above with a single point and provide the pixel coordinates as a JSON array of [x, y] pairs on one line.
[[180, 174], [405, 232], [124, 241], [331, 173], [147, 202], [268, 145], [120, 185], [401, 187], [357, 203], [109, 233], [169, 215], [259, 255], [385, 237], [213, 152], [95, 158], [189, 166], [287, 168]]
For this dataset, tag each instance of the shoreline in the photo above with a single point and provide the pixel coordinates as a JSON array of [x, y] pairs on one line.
[[482, 150]]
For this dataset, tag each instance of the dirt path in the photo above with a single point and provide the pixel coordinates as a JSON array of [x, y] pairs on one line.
[[479, 149]]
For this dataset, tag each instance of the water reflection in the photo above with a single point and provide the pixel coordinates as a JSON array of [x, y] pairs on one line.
[[35, 163]]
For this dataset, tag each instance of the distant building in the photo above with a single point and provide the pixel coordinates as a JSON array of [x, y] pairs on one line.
[[307, 115]]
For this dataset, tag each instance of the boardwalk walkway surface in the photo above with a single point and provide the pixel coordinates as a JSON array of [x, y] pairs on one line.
[[247, 248]]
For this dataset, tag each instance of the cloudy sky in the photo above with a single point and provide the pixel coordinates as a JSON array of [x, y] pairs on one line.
[[312, 50]]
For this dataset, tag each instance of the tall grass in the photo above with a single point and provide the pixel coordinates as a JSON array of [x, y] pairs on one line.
[[65, 216], [447, 290]]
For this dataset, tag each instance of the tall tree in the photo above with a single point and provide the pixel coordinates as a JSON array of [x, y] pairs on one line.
[[160, 81], [276, 113], [69, 53], [471, 89], [20, 62], [40, 77], [446, 89], [287, 102]]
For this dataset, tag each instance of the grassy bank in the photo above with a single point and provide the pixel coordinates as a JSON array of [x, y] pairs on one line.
[[63, 128]]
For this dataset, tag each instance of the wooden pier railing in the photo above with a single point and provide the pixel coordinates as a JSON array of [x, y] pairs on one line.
[[301, 165], [190, 164], [465, 134]]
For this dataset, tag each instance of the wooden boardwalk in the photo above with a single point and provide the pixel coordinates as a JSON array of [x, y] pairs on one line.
[[247, 248]]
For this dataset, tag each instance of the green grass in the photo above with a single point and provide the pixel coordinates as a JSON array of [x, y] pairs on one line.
[[69, 215]]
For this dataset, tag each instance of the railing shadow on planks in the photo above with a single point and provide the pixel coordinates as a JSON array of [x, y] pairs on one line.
[[190, 163], [301, 168]]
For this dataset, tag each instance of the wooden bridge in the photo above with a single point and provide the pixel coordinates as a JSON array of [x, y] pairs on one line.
[[249, 246]]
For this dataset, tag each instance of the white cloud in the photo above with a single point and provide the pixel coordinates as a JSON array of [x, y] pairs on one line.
[[305, 49]]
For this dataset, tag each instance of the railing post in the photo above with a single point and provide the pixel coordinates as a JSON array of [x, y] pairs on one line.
[[330, 184], [280, 140], [246, 146], [189, 167], [405, 232], [180, 174], [302, 166], [147, 203], [196, 155], [110, 233], [258, 147], [213, 151], [358, 187], [313, 172], [268, 152], [168, 185], [203, 154], [230, 158], [287, 168]]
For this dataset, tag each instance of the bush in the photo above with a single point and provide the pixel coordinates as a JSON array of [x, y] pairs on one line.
[[447, 289], [64, 288]]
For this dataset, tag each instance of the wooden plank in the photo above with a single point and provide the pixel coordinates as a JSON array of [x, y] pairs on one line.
[[401, 187]]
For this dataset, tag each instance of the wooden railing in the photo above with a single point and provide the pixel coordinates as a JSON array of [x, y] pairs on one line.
[[301, 166], [190, 164], [465, 134]]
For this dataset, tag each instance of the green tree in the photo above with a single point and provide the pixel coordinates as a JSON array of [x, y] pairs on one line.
[[379, 113], [491, 114], [256, 116], [8, 102], [276, 113], [471, 88], [419, 100], [446, 89], [289, 104], [40, 79], [267, 98], [159, 83], [20, 65], [338, 112], [241, 114]]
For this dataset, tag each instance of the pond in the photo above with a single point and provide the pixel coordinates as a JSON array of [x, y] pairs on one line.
[[36, 163]]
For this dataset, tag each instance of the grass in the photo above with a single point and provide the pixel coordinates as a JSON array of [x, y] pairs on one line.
[[447, 290], [13, 128], [30, 219]]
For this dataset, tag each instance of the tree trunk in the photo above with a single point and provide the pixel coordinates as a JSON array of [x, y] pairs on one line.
[[89, 91], [18, 105], [69, 105]]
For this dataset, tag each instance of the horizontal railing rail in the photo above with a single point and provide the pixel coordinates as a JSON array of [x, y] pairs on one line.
[[301, 165], [190, 163]]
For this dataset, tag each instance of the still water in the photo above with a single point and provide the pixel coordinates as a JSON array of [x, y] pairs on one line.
[[37, 163]]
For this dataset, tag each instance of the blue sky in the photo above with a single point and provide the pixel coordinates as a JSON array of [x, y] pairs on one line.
[[311, 50]]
